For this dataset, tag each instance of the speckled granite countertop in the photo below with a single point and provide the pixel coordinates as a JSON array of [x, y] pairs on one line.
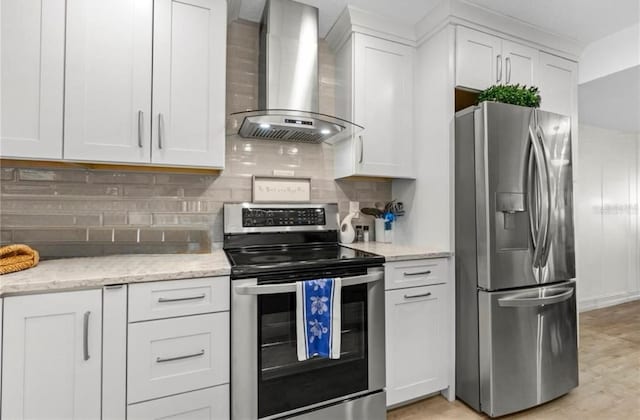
[[86, 273], [393, 252]]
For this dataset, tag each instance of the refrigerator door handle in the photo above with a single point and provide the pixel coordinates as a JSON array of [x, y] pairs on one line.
[[550, 199], [532, 200], [543, 216], [530, 299]]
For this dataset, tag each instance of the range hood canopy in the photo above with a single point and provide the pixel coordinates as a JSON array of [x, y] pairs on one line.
[[288, 81]]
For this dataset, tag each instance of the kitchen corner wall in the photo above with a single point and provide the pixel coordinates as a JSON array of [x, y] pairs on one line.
[[67, 212], [608, 217]]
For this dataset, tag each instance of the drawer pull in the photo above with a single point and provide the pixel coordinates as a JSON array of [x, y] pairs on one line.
[[419, 273], [165, 300], [417, 296], [85, 336], [186, 356]]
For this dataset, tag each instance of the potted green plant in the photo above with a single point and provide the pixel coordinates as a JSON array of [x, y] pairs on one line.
[[511, 94]]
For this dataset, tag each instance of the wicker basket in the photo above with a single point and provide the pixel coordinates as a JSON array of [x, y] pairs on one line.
[[17, 257]]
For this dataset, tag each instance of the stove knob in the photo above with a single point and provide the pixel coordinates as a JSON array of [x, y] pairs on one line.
[[269, 222]]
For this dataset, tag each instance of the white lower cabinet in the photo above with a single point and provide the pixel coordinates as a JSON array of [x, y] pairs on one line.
[[178, 347], [51, 356], [79, 355], [415, 342], [419, 331], [205, 404], [175, 355]]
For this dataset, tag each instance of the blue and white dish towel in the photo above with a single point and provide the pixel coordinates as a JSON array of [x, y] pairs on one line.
[[318, 323]]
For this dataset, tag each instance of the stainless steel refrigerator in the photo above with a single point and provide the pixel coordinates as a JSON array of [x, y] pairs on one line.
[[516, 332]]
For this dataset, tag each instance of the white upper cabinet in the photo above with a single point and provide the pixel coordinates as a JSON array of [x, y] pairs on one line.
[[478, 59], [483, 60], [32, 33], [520, 63], [140, 81], [51, 356], [189, 53], [375, 78], [108, 80], [558, 82]]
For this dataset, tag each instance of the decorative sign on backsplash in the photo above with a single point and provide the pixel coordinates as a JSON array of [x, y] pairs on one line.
[[269, 189]]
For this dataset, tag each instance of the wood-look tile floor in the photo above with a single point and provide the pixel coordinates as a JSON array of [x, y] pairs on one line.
[[609, 358]]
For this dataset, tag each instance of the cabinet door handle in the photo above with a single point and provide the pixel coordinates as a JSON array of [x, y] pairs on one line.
[[160, 129], [186, 356], [85, 338], [164, 300], [140, 122], [419, 273], [499, 67], [417, 296], [361, 149], [507, 63]]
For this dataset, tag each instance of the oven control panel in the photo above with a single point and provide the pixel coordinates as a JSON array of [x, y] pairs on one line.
[[265, 217]]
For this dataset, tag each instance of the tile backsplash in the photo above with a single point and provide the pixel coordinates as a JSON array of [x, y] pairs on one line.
[[66, 212]]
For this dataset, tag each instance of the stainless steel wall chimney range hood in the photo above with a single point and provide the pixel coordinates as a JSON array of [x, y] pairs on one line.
[[288, 81]]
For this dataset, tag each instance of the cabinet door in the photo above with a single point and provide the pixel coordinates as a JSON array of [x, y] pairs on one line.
[[189, 60], [478, 59], [383, 104], [32, 34], [108, 80], [52, 355], [205, 404], [520, 63], [558, 81], [174, 355], [417, 340]]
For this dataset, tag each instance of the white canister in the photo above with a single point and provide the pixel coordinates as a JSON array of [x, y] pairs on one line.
[[379, 230]]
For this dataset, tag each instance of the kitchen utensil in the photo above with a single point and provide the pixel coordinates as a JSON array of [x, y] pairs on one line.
[[369, 211]]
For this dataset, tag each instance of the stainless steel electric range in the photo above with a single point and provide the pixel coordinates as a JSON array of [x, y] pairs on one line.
[[270, 247]]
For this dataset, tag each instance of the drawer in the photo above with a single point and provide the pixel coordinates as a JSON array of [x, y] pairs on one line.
[[414, 273], [205, 404], [176, 355], [166, 299]]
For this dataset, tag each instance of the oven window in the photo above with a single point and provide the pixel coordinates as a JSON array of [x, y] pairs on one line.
[[284, 383]]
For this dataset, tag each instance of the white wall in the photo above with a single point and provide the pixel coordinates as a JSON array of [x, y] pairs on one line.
[[606, 210], [611, 54], [429, 199]]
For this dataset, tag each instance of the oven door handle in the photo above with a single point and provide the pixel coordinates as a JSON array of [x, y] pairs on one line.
[[272, 289]]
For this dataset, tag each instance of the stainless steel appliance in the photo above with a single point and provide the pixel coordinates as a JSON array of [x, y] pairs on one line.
[[516, 333], [270, 247], [288, 81]]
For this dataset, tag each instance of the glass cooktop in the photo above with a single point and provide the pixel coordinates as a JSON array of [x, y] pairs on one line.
[[267, 259]]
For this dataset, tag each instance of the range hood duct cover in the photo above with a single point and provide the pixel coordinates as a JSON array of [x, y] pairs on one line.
[[288, 80]]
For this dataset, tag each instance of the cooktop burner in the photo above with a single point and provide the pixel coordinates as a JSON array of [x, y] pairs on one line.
[[259, 259]]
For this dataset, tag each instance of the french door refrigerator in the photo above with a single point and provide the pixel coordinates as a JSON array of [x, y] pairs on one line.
[[516, 332]]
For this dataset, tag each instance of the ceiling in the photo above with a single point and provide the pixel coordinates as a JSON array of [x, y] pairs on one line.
[[612, 101], [582, 20]]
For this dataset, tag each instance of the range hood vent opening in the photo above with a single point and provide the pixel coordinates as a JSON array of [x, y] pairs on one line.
[[288, 81]]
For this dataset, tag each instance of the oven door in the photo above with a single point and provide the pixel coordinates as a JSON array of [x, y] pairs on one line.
[[268, 381]]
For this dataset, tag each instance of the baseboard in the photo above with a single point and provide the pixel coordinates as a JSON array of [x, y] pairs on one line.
[[605, 301]]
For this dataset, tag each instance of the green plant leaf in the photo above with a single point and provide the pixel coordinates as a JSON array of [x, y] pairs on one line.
[[512, 94]]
